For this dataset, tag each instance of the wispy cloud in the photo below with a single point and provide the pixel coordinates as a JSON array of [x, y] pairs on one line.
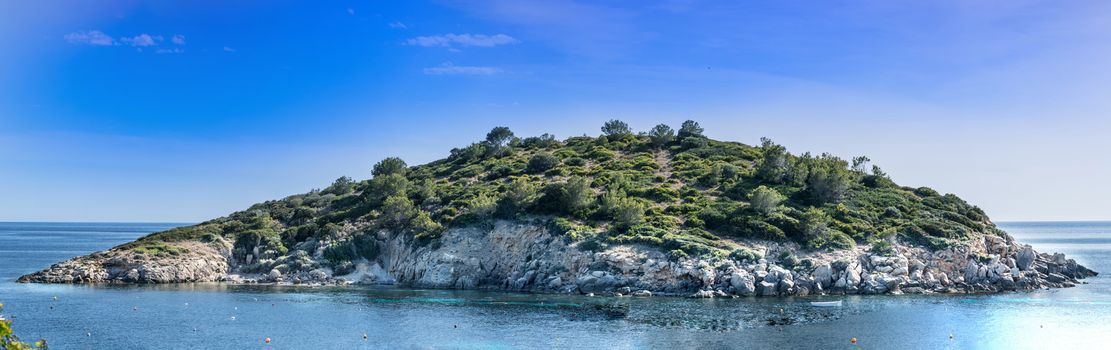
[[350, 11], [450, 69], [91, 37], [141, 40], [228, 49], [450, 40], [398, 25]]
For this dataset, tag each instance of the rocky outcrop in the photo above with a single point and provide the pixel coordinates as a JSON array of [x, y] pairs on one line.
[[526, 257], [194, 262]]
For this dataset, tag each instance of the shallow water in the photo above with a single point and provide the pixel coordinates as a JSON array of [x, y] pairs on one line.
[[221, 316]]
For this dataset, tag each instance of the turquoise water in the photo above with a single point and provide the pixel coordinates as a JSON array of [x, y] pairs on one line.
[[240, 317]]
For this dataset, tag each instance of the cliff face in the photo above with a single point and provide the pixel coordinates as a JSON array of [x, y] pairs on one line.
[[517, 256]]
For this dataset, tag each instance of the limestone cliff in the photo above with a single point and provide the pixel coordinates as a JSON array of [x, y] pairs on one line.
[[517, 256]]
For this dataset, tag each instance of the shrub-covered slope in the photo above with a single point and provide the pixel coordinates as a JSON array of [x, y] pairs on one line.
[[682, 192]]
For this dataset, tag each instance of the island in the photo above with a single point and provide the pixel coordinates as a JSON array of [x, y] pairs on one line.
[[661, 212]]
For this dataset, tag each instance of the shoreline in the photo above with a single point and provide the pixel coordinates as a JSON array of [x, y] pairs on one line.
[[521, 257]]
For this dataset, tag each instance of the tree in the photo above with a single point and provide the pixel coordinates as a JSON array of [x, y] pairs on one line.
[[773, 165], [542, 141], [518, 198], [877, 171], [690, 128], [541, 162], [391, 165], [397, 211], [828, 180], [342, 186], [385, 186], [661, 135], [617, 128], [468, 154], [860, 164], [813, 224], [765, 200], [499, 136]]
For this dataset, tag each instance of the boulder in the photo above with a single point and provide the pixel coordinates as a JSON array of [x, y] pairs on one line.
[[765, 288], [555, 282], [743, 283], [705, 293], [1025, 258], [823, 275]]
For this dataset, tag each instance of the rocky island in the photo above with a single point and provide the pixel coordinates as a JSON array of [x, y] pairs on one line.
[[653, 213]]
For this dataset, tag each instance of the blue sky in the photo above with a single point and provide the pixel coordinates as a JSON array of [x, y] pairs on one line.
[[183, 111]]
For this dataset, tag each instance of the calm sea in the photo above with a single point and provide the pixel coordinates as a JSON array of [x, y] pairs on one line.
[[213, 316]]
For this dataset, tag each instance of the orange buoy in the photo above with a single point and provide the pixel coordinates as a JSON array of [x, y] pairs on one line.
[[853, 340], [268, 340]]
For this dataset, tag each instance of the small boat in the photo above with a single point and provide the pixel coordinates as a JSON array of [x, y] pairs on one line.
[[826, 303]]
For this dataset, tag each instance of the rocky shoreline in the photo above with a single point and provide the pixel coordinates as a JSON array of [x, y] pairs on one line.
[[526, 257]]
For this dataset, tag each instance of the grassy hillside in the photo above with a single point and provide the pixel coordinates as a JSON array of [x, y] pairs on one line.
[[683, 192]]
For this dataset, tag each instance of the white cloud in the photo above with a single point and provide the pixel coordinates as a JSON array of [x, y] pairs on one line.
[[449, 40], [141, 40], [350, 11], [398, 25], [98, 38], [450, 69], [91, 37], [228, 49]]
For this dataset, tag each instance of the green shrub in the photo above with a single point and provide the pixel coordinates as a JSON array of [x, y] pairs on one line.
[[541, 162], [788, 259], [744, 255], [764, 200], [623, 211], [882, 247], [574, 161], [569, 197], [424, 228], [599, 154], [340, 252]]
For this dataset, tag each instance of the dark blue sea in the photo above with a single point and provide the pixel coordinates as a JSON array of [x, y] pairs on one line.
[[215, 316]]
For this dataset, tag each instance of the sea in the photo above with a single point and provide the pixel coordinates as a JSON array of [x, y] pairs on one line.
[[218, 316]]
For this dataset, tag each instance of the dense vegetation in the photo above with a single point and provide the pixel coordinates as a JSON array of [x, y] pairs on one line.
[[677, 190], [8, 340]]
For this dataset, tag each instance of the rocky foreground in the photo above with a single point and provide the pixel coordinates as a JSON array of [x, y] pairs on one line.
[[526, 257]]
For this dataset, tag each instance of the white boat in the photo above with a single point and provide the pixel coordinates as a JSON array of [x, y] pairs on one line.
[[826, 303]]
